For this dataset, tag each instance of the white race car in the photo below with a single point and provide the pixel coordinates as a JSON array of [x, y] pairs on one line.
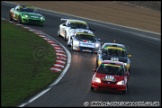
[[85, 42], [71, 26]]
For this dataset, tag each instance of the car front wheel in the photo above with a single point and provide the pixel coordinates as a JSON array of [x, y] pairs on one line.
[[58, 33], [124, 92], [92, 88], [68, 43], [96, 63], [10, 17], [19, 20], [72, 45]]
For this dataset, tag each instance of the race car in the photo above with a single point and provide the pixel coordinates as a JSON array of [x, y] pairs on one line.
[[115, 52], [72, 26], [85, 42], [111, 76], [26, 15]]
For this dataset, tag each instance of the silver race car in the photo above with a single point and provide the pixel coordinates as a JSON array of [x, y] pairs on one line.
[[85, 42], [71, 27]]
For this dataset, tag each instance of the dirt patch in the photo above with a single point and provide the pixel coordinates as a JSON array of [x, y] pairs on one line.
[[109, 11]]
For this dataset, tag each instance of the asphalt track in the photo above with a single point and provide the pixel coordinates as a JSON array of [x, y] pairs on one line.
[[74, 88]]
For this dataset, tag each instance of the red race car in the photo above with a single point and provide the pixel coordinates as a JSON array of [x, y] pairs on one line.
[[111, 75]]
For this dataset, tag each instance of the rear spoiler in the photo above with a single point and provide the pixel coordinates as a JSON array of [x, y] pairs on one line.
[[63, 19]]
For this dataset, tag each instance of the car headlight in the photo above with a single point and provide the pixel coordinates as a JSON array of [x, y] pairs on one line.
[[76, 42], [97, 80], [97, 45], [121, 82], [26, 16], [127, 64], [41, 18]]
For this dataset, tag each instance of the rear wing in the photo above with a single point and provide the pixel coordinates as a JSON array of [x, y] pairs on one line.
[[64, 19]]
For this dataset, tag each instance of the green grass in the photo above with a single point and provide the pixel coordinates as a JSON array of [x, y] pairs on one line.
[[25, 60]]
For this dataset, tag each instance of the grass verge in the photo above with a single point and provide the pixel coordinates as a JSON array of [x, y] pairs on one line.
[[26, 60]]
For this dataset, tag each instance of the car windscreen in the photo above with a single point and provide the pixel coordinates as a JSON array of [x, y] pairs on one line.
[[111, 69], [115, 52], [28, 10], [85, 37], [78, 25]]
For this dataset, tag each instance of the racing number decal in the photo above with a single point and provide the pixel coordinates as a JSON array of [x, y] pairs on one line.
[[114, 59]]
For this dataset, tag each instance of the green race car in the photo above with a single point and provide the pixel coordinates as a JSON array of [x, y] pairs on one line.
[[25, 14]]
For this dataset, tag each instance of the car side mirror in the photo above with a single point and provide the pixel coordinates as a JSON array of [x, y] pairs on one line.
[[129, 55]]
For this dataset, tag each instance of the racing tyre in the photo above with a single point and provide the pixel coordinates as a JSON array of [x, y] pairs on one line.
[[72, 45], [19, 20], [96, 63], [10, 17], [68, 44], [93, 89]]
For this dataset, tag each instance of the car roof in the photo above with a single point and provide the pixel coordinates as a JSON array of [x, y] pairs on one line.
[[114, 62]]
